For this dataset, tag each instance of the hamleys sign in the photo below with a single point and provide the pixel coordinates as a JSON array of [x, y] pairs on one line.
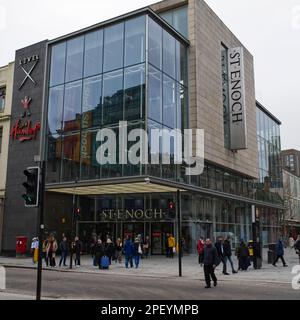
[[25, 129]]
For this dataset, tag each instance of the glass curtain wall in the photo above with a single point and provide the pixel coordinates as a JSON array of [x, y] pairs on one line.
[[98, 79]]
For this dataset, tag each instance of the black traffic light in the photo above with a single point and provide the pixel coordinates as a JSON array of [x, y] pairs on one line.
[[32, 186], [171, 209]]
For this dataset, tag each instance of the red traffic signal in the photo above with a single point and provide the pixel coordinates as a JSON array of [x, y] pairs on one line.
[[77, 210], [171, 205]]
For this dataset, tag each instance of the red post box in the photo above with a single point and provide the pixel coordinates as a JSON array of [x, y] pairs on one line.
[[21, 245]]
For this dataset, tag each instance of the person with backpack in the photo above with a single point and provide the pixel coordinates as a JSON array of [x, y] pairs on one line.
[[98, 253], [200, 249]]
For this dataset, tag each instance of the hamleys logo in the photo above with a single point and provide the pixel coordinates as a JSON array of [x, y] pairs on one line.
[[24, 130]]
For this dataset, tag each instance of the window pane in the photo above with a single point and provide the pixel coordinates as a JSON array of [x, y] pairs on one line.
[[2, 99], [72, 106], [135, 41], [169, 102], [74, 59], [168, 54], [93, 53], [55, 109], [89, 166], [155, 95], [181, 63], [113, 97], [168, 16], [54, 158], [113, 47], [91, 102], [155, 44], [58, 61], [70, 153], [134, 92], [180, 21]]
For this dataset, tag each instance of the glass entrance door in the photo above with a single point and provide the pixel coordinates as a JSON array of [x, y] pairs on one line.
[[133, 229], [159, 232]]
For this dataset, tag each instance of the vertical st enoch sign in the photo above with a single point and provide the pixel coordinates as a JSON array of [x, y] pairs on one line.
[[237, 106]]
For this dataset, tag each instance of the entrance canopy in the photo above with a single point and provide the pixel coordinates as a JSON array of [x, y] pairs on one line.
[[115, 186]]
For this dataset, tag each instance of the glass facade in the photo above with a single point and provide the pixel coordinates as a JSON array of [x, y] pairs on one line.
[[269, 148], [98, 79]]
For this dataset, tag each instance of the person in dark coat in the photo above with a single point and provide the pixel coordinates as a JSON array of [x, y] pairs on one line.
[[110, 249], [128, 251], [78, 251], [279, 249], [209, 263], [297, 247], [243, 256], [228, 253], [98, 253], [64, 248], [220, 254]]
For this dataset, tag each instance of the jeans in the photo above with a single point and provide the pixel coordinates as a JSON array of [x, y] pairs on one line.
[[128, 259], [209, 272], [63, 258], [228, 258], [136, 260], [223, 260]]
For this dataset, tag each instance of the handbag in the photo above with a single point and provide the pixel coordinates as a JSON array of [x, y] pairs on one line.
[[140, 250], [174, 250]]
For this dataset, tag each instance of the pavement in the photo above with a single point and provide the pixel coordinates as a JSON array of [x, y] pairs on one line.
[[162, 267]]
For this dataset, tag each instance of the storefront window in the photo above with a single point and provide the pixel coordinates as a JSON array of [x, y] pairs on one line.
[[93, 53], [113, 47]]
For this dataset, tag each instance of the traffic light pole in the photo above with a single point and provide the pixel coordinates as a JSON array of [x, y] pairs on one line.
[[72, 231], [179, 233], [41, 231]]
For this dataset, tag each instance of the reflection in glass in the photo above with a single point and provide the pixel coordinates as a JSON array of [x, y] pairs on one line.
[[113, 47], [169, 54], [113, 97], [58, 60], [89, 167], [169, 102], [70, 157], [55, 109], [72, 106], [135, 41], [155, 94], [93, 52], [134, 92], [155, 44], [154, 151], [53, 159], [74, 59], [91, 102]]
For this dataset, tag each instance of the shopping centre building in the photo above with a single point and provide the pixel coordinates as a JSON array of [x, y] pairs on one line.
[[173, 65]]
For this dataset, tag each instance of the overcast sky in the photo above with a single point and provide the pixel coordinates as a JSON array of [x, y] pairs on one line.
[[270, 29]]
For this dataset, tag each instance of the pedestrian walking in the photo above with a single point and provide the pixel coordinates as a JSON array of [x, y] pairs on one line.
[[128, 251], [110, 250], [209, 263], [243, 256], [200, 249], [118, 251], [137, 252], [78, 246], [220, 254], [64, 249], [45, 256], [51, 250], [279, 250], [171, 246], [228, 254], [146, 247]]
